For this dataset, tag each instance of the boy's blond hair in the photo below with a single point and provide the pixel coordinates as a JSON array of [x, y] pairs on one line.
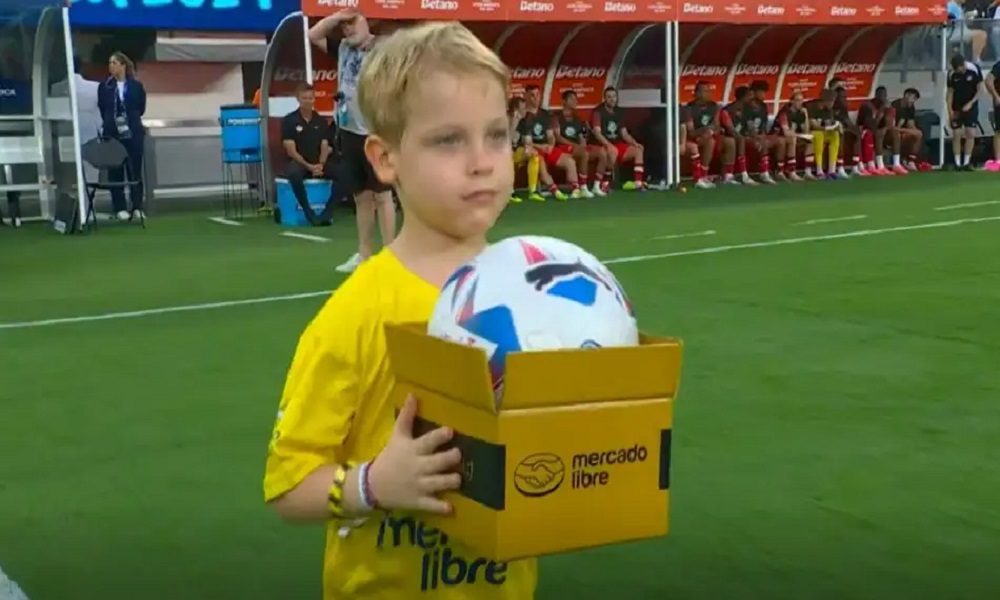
[[402, 59]]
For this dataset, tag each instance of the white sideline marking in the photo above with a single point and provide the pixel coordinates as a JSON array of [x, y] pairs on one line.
[[967, 205], [625, 259], [224, 221], [799, 240], [677, 236], [305, 236], [832, 220]]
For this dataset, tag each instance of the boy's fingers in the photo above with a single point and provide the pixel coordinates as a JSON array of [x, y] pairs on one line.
[[440, 462], [404, 421], [432, 440], [435, 484], [433, 505]]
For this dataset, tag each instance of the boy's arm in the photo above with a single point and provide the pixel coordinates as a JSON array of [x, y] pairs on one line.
[[306, 457]]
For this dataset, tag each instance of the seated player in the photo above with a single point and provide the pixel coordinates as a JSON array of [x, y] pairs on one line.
[[909, 136], [538, 126], [733, 123], [608, 128], [690, 148], [756, 132], [850, 133], [871, 123], [826, 131], [703, 124], [570, 133], [791, 127], [518, 128]]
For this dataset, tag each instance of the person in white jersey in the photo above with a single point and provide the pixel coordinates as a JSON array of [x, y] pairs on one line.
[[372, 197]]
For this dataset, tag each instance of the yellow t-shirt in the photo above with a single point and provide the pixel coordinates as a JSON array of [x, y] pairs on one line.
[[335, 408]]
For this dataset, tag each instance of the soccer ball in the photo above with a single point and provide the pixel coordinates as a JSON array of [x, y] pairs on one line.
[[533, 293]]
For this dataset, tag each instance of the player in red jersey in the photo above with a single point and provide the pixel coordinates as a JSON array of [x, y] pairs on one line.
[[608, 128], [542, 138], [733, 123], [571, 135], [791, 127], [689, 147], [703, 125]]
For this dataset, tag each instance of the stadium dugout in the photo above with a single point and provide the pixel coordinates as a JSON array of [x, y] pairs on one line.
[[39, 137], [654, 52]]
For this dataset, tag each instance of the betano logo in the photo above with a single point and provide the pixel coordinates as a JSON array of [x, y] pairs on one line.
[[439, 4], [843, 11], [845, 67], [527, 73], [757, 69], [537, 7], [806, 69], [440, 565], [704, 71], [619, 7], [907, 11], [291, 74], [693, 8], [564, 72], [770, 10], [539, 475]]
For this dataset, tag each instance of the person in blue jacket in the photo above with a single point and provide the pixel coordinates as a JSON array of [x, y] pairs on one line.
[[122, 102]]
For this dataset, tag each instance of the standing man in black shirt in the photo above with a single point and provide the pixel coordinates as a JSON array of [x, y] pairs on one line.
[[965, 82], [305, 136]]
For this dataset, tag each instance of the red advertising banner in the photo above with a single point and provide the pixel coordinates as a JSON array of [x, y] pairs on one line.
[[783, 12]]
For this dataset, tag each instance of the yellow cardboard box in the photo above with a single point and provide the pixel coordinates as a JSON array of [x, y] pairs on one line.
[[578, 455]]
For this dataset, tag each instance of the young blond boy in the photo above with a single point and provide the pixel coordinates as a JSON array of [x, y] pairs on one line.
[[434, 98]]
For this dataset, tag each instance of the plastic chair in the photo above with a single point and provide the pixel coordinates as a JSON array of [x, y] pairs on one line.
[[106, 155]]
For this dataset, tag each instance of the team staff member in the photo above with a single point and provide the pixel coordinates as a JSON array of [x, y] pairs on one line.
[[372, 197], [121, 101], [965, 83], [305, 137]]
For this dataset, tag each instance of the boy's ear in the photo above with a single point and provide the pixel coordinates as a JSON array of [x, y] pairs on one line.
[[383, 161]]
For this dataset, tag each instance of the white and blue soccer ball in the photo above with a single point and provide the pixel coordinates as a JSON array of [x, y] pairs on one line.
[[533, 293]]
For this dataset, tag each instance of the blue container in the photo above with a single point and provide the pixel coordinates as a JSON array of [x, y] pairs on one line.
[[240, 133], [317, 193]]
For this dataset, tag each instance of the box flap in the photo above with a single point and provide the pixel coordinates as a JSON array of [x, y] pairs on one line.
[[563, 377], [453, 370]]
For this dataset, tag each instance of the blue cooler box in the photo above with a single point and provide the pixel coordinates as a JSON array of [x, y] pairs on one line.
[[240, 133], [317, 193]]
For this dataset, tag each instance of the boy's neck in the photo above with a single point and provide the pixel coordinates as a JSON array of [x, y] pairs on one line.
[[431, 255]]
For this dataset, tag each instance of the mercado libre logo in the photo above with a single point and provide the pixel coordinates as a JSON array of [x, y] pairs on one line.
[[539, 475]]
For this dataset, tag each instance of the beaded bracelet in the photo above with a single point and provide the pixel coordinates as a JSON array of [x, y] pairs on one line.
[[336, 496]]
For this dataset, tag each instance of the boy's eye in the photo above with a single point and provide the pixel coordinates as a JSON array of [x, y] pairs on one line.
[[448, 140], [500, 134]]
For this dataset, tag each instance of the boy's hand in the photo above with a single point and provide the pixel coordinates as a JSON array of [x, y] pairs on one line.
[[410, 472]]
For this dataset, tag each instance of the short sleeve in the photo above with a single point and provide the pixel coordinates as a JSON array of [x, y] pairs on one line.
[[318, 402], [951, 81], [287, 130]]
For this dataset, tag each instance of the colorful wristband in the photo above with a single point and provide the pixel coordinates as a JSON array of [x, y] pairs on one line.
[[364, 490]]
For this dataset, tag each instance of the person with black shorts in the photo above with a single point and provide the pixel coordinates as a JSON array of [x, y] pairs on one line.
[[305, 137], [373, 199], [965, 82]]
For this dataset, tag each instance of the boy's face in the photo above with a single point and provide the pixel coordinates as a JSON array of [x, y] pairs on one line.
[[453, 164]]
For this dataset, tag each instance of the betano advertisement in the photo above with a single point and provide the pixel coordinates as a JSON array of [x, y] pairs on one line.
[[834, 12], [788, 58]]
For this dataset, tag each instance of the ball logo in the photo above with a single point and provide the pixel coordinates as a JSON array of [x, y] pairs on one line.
[[539, 475]]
